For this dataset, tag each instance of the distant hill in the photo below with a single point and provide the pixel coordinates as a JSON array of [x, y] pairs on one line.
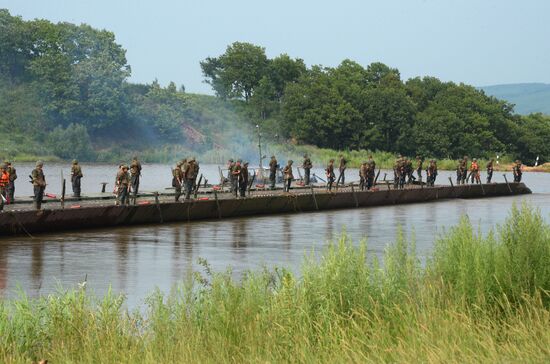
[[528, 97]]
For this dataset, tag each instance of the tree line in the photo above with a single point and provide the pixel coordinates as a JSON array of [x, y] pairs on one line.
[[64, 90], [351, 107]]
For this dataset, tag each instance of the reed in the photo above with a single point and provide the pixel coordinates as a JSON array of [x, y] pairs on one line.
[[476, 299]]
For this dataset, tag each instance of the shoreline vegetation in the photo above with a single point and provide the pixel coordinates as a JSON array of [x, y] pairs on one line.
[[319, 156], [476, 298]]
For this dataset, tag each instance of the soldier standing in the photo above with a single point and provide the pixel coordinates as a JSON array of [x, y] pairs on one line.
[[490, 170], [189, 175], [463, 169], [123, 184], [431, 173], [273, 166], [474, 171], [11, 185], [243, 179], [196, 173], [342, 170], [330, 174], [517, 169], [76, 176], [39, 184], [307, 165], [288, 176], [4, 182], [371, 170], [177, 180], [135, 172], [419, 168], [363, 171], [236, 172]]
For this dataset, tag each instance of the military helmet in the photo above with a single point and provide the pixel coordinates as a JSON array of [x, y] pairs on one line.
[[364, 162], [124, 166], [332, 160], [305, 155], [245, 163], [39, 164], [75, 161], [272, 157], [474, 159], [230, 160], [517, 161], [192, 159], [290, 161], [3, 166]]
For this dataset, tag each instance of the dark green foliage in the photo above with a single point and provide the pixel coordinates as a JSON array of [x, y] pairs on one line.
[[71, 142]]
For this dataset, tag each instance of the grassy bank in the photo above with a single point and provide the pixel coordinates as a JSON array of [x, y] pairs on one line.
[[477, 299]]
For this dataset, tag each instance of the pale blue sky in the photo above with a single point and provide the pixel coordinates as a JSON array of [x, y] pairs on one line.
[[480, 42]]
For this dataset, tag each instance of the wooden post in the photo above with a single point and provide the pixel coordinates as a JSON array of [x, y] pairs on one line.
[[507, 184], [103, 184], [63, 194], [451, 180], [314, 198], [217, 204], [354, 196]]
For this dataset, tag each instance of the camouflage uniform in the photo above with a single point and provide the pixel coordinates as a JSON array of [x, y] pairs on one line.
[[342, 170], [76, 176], [189, 177], [419, 168], [177, 180], [517, 171], [243, 179], [135, 173], [462, 171], [431, 173], [371, 172], [288, 176], [39, 184], [273, 166], [363, 171], [123, 186], [307, 165], [330, 174], [236, 173], [11, 186], [490, 170]]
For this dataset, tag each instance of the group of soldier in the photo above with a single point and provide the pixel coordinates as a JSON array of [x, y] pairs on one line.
[[184, 175], [474, 175], [403, 171], [186, 171]]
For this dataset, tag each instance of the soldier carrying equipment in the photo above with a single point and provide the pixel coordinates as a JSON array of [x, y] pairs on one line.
[[76, 176], [419, 168], [236, 172], [431, 173], [189, 176]]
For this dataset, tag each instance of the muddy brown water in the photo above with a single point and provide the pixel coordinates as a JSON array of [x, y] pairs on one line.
[[136, 260]]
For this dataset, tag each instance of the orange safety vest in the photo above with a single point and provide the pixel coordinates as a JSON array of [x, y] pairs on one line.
[[474, 167], [4, 179]]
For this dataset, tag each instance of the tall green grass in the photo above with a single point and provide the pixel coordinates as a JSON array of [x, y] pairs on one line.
[[476, 299]]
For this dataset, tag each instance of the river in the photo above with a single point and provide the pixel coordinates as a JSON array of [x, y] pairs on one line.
[[136, 260]]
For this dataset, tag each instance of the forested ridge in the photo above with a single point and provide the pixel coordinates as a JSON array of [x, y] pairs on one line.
[[64, 92]]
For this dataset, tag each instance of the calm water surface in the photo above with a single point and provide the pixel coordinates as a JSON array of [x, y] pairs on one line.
[[135, 260]]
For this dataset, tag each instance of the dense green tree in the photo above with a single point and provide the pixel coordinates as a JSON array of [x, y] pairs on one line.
[[237, 72], [71, 142]]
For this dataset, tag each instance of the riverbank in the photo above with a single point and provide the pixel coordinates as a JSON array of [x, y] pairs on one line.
[[469, 303]]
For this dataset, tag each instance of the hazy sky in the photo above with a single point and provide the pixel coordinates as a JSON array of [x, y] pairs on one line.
[[480, 42]]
